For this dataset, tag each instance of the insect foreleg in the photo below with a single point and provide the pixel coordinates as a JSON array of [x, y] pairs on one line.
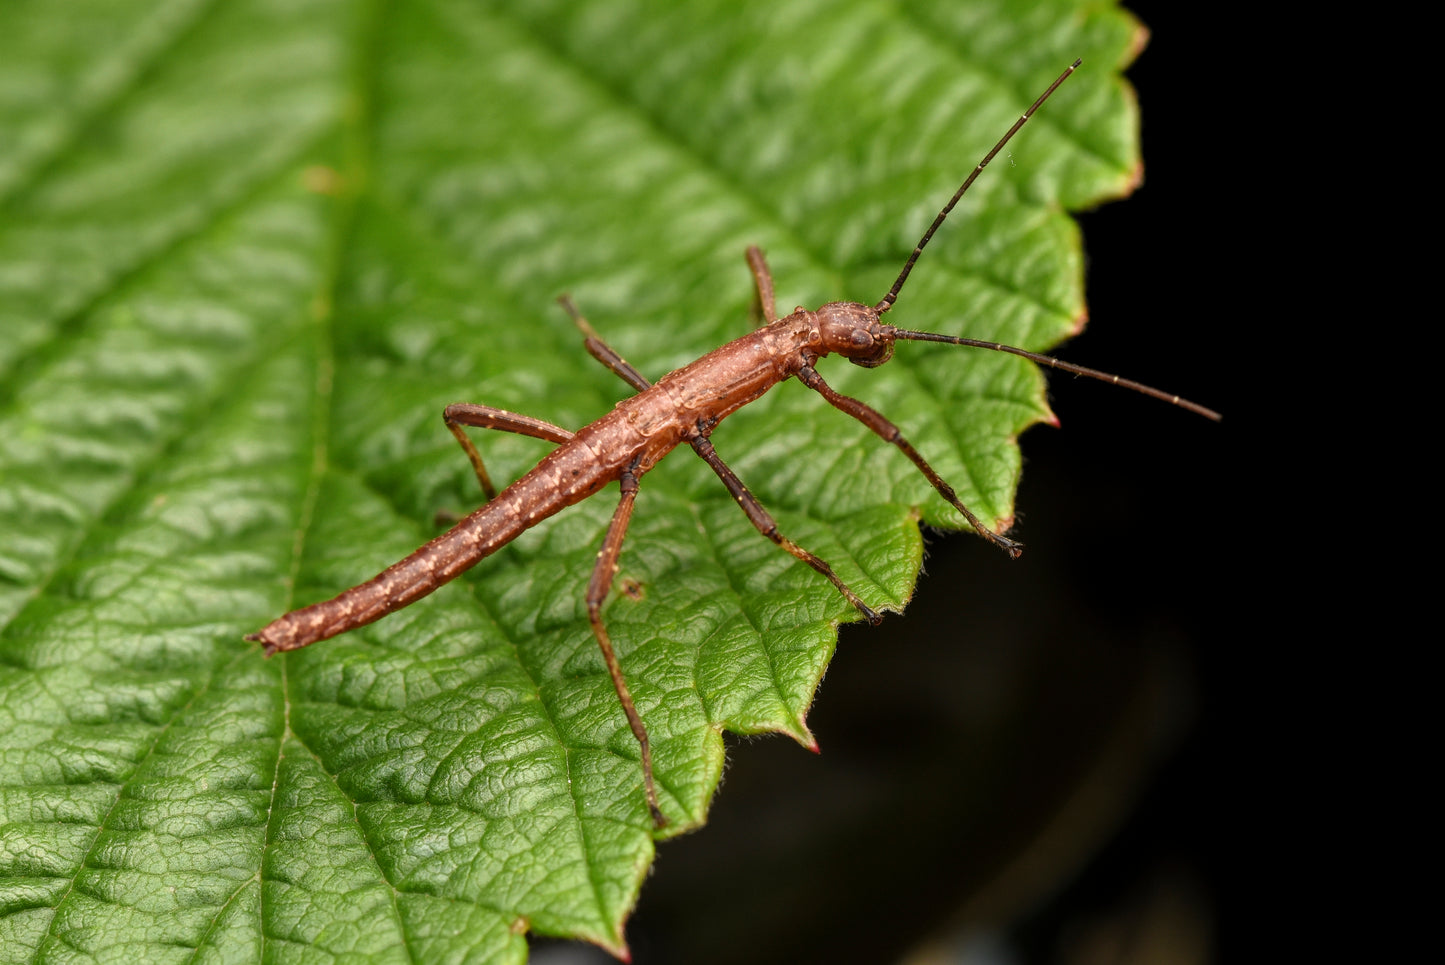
[[887, 431], [765, 524], [764, 281], [597, 590], [460, 414]]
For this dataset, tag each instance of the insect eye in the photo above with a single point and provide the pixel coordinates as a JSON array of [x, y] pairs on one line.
[[860, 338], [882, 352]]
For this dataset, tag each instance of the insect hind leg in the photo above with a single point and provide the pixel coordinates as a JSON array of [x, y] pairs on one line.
[[460, 414]]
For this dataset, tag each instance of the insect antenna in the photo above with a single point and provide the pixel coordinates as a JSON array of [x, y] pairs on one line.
[[1062, 366], [892, 295]]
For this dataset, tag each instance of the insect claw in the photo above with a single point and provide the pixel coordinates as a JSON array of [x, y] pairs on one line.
[[659, 820]]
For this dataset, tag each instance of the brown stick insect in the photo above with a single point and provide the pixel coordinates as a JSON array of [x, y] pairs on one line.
[[684, 406]]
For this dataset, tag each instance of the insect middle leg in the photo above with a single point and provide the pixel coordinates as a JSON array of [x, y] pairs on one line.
[[763, 521], [603, 352], [889, 432], [764, 281], [460, 414]]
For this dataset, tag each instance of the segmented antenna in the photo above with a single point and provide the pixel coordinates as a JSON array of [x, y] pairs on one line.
[[1062, 366], [892, 295]]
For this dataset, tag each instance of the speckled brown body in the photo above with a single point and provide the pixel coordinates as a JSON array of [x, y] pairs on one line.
[[637, 433]]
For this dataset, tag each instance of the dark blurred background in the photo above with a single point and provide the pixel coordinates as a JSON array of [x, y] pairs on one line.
[[1036, 763]]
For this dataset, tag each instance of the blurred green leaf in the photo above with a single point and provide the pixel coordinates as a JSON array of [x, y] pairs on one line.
[[250, 249]]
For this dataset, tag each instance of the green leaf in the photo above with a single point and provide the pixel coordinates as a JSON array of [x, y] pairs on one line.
[[250, 249]]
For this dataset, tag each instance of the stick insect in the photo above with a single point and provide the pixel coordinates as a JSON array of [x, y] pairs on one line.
[[683, 406]]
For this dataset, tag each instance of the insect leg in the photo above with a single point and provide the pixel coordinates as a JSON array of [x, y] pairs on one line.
[[603, 352], [764, 280], [460, 414], [597, 591], [887, 431], [765, 524]]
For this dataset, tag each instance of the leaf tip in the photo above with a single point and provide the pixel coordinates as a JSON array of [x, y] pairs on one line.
[[1138, 40], [1134, 178], [614, 944], [804, 737]]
